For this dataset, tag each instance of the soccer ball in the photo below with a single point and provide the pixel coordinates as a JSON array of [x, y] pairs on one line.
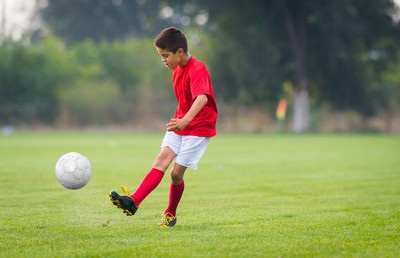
[[73, 170]]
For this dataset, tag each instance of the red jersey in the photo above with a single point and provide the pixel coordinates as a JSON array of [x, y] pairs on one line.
[[190, 81]]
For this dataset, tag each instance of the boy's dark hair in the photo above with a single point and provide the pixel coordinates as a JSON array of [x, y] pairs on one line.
[[171, 39]]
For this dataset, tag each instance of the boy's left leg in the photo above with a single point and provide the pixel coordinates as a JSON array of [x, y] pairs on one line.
[[175, 193], [176, 188], [191, 150]]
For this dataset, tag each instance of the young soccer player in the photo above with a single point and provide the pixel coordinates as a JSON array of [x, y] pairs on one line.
[[188, 132]]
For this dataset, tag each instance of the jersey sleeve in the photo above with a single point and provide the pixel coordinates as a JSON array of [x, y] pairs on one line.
[[200, 82]]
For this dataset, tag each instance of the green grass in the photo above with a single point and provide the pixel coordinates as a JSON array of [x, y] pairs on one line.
[[252, 196]]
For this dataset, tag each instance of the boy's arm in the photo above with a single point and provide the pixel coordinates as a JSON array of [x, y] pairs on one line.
[[180, 123]]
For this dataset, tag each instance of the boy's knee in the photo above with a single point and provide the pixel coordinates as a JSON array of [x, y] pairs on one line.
[[177, 173], [176, 179]]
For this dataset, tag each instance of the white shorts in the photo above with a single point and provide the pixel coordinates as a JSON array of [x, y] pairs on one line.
[[188, 149]]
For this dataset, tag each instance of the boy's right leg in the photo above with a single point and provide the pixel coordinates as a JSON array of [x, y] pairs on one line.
[[154, 177], [129, 204], [149, 183]]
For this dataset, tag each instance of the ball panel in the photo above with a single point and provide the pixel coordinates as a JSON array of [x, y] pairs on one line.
[[70, 166]]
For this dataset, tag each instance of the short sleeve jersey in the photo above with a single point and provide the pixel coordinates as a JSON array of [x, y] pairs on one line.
[[190, 81]]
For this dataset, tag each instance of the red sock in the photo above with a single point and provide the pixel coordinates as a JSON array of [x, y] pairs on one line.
[[149, 183], [175, 194]]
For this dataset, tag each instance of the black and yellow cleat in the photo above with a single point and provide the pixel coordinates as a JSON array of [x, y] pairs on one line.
[[168, 220], [124, 202]]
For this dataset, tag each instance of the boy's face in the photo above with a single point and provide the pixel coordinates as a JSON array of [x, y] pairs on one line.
[[170, 59]]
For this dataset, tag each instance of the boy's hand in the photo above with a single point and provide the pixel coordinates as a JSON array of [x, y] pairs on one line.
[[177, 124]]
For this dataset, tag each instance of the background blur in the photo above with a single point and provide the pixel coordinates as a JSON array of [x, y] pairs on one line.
[[68, 64]]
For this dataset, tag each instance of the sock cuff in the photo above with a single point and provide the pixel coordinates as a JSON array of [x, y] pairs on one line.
[[178, 186], [155, 170], [181, 183]]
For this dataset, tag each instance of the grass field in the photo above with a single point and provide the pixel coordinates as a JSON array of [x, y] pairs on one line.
[[252, 196]]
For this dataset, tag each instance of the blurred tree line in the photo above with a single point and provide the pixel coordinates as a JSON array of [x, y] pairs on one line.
[[88, 83], [101, 67]]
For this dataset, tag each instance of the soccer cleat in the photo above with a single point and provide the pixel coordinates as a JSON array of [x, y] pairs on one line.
[[168, 220], [124, 202]]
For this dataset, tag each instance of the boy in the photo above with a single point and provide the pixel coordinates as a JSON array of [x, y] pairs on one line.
[[188, 132]]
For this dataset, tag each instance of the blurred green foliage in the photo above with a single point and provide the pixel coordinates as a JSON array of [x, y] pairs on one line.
[[90, 83], [344, 53], [29, 76]]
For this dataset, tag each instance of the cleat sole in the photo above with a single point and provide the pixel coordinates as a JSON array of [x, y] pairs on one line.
[[118, 204]]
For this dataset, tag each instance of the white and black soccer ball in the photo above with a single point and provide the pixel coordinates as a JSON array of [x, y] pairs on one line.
[[73, 170]]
